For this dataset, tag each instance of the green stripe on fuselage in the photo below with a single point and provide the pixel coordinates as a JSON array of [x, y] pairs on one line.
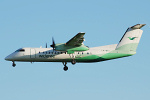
[[90, 58], [128, 47], [107, 56], [110, 56]]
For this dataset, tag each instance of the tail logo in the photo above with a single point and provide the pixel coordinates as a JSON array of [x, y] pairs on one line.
[[132, 38]]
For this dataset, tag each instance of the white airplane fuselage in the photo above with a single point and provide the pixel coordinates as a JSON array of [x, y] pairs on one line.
[[50, 55]]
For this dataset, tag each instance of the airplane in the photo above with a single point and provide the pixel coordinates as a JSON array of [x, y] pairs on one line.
[[75, 51]]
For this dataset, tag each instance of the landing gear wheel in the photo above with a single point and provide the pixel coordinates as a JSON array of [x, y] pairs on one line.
[[13, 64], [73, 62], [65, 68]]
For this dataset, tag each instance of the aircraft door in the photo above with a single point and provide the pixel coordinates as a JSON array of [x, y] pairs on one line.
[[32, 53]]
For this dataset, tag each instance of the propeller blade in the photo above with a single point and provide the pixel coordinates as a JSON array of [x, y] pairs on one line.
[[46, 45], [53, 44]]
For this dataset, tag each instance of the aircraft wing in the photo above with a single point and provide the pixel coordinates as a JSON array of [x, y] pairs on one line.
[[77, 40]]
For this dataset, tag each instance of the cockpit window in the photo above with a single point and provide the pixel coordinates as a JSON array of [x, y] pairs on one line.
[[20, 50]]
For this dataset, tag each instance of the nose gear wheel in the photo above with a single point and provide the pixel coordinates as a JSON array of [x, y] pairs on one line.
[[13, 64]]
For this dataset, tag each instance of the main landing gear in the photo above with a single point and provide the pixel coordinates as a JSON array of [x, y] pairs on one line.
[[13, 64], [73, 59], [73, 62], [65, 67], [65, 64]]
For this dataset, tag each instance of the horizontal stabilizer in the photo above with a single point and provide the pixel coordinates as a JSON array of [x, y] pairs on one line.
[[138, 26]]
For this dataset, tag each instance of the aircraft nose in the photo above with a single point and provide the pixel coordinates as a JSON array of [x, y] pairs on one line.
[[9, 58]]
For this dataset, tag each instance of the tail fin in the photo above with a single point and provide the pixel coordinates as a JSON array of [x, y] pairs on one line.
[[130, 39]]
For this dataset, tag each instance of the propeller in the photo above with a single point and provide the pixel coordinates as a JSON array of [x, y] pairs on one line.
[[53, 44], [46, 45]]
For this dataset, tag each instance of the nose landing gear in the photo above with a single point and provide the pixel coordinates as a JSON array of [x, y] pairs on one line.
[[13, 64]]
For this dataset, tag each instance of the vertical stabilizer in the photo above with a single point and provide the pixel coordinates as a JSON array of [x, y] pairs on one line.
[[130, 39]]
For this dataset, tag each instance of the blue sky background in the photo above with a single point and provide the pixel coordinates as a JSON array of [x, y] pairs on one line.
[[32, 23]]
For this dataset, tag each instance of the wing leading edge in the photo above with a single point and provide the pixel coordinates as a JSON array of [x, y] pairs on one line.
[[77, 40], [74, 44]]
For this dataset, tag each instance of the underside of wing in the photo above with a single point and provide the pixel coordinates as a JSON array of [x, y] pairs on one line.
[[77, 40]]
